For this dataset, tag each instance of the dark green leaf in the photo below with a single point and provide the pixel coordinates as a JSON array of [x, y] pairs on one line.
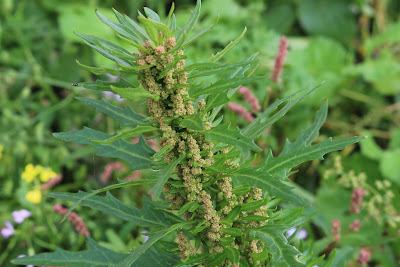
[[273, 237], [120, 28], [221, 86], [191, 22], [223, 134], [232, 254], [138, 252], [137, 131], [193, 122], [220, 54], [127, 117], [194, 37], [232, 231], [164, 175], [263, 121], [137, 155], [105, 86], [273, 185], [99, 71], [153, 28], [146, 217], [134, 93]]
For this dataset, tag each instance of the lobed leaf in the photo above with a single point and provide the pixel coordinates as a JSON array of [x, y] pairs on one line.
[[145, 217], [263, 121], [137, 155], [223, 134], [133, 93], [272, 184], [221, 86], [273, 237], [193, 122], [105, 86], [164, 175], [127, 117], [137, 131], [220, 54]]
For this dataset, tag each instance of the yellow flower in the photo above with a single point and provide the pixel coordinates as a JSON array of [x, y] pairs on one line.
[[34, 196], [47, 174], [30, 173]]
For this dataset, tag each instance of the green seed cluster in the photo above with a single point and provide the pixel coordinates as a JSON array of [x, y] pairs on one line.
[[173, 104]]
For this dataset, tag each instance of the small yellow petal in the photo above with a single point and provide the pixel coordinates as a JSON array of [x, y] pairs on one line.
[[34, 196]]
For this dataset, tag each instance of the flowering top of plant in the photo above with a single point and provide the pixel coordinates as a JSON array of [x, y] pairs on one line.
[[206, 191]]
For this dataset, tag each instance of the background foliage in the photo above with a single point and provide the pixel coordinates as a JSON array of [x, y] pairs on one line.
[[351, 45]]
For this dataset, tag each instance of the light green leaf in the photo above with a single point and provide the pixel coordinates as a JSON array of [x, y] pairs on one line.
[[137, 131], [105, 86], [370, 148], [389, 165], [221, 86], [100, 71], [263, 121], [220, 54], [151, 14], [273, 185], [222, 133], [120, 28], [145, 217], [137, 155], [232, 254], [153, 28], [134, 93], [127, 117], [273, 237], [307, 136], [191, 22], [138, 252], [194, 37], [164, 175], [132, 26], [282, 164], [193, 122]]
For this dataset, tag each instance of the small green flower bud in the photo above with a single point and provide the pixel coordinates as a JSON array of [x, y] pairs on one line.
[[195, 164], [189, 156]]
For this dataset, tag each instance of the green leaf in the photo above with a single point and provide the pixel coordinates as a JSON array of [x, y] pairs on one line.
[[106, 48], [307, 136], [233, 137], [193, 122], [281, 165], [127, 117], [151, 14], [232, 231], [232, 254], [105, 86], [137, 155], [99, 71], [220, 54], [253, 218], [273, 185], [221, 86], [273, 237], [145, 217], [95, 255], [164, 175], [153, 28], [389, 165], [132, 26], [194, 37], [370, 148], [137, 131], [263, 121], [138, 252], [191, 22], [134, 93], [120, 28]]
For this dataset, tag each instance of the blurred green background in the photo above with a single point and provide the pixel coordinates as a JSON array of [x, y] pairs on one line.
[[352, 45]]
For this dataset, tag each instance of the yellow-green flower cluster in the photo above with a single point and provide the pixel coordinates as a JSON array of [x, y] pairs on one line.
[[36, 174]]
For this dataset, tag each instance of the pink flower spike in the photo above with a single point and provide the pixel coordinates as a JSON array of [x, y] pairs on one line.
[[250, 98], [241, 111], [279, 60], [8, 230], [364, 256], [21, 215]]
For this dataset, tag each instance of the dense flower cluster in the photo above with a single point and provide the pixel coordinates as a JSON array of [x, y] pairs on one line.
[[279, 60], [168, 81]]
